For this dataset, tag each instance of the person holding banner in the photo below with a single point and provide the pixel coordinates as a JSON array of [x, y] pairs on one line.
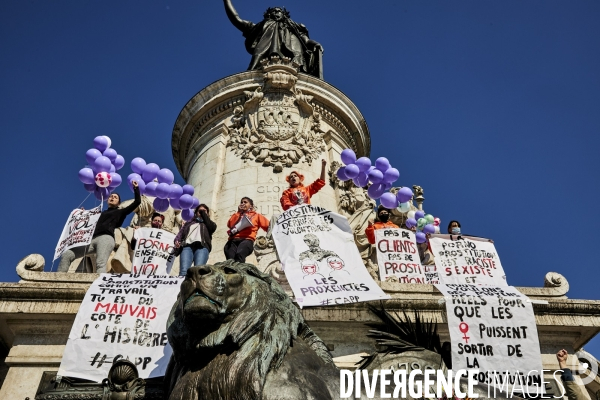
[[103, 240], [383, 222], [194, 240], [243, 227], [156, 222], [297, 193]]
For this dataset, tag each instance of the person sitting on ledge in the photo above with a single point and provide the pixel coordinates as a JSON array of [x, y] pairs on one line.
[[297, 193], [383, 222], [103, 240], [241, 237]]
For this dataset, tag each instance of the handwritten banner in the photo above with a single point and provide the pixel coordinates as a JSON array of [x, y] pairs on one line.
[[320, 259], [121, 316], [467, 261], [78, 230], [492, 328], [398, 256], [153, 253]]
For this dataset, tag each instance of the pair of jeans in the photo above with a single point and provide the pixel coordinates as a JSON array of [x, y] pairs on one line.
[[238, 249], [101, 246], [192, 253]]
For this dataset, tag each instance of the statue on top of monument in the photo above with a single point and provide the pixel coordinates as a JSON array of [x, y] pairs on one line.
[[278, 35]]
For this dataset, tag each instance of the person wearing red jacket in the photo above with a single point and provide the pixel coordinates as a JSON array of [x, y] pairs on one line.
[[383, 222], [241, 242], [297, 193]]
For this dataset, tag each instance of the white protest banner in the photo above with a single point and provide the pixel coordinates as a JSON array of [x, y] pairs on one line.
[[153, 252], [121, 316], [431, 274], [492, 328], [467, 261], [78, 230], [320, 259], [398, 256]]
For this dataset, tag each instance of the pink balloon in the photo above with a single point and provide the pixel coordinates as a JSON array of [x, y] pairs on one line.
[[103, 179]]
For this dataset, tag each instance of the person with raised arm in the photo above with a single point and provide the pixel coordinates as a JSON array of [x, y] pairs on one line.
[[103, 240], [297, 193]]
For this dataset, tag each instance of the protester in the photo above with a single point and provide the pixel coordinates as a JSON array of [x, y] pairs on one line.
[[195, 239], [241, 241], [103, 240], [454, 228], [383, 222], [156, 221], [297, 193], [573, 390]]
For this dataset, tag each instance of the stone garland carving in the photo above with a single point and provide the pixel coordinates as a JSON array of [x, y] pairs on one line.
[[277, 125]]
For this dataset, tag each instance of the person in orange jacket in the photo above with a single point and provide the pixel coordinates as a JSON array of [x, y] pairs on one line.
[[241, 243], [297, 193], [383, 222]]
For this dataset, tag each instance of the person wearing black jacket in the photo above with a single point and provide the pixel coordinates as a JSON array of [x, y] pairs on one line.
[[193, 241], [103, 240]]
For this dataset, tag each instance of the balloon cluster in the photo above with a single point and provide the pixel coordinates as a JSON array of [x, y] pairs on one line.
[[100, 176], [381, 175], [156, 182], [426, 224]]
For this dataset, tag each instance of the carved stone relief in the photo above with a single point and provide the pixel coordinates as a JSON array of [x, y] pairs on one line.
[[277, 125]]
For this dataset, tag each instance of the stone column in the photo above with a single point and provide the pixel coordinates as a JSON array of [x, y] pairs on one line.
[[242, 135]]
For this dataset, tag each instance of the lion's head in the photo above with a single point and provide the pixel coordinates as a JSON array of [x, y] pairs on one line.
[[230, 326]]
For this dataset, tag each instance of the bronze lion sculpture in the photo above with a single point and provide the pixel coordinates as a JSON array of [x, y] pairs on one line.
[[236, 335]]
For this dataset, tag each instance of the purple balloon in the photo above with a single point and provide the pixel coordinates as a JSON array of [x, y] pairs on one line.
[[388, 200], [419, 214], [404, 194], [150, 172], [111, 154], [91, 155], [138, 179], [86, 175], [162, 190], [195, 204], [382, 164], [175, 191], [411, 223], [341, 174], [391, 175], [188, 189], [112, 169], [161, 205], [361, 180], [429, 228], [90, 187], [421, 238], [352, 171], [101, 143], [186, 201], [101, 193], [116, 180], [175, 203], [348, 157], [363, 163], [119, 162], [137, 165], [165, 176], [135, 177], [101, 164], [388, 186], [375, 176], [187, 214], [151, 189], [375, 191]]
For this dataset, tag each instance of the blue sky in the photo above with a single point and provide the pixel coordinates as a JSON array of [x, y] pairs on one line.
[[490, 106]]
